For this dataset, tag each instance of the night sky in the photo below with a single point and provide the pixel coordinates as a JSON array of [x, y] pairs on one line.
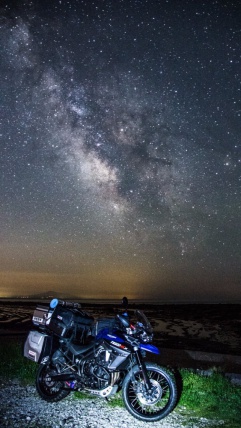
[[120, 149]]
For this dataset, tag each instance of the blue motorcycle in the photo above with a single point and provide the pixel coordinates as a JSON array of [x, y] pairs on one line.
[[75, 353]]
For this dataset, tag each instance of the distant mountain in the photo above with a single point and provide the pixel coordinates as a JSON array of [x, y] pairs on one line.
[[47, 295]]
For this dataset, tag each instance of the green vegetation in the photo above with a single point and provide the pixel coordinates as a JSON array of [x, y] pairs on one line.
[[212, 397], [13, 364]]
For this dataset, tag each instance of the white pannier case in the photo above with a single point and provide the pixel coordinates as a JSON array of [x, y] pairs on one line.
[[37, 346]]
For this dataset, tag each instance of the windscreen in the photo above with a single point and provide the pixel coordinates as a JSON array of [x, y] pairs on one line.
[[143, 320]]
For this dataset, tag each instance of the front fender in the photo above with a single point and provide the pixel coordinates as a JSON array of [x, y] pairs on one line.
[[149, 348]]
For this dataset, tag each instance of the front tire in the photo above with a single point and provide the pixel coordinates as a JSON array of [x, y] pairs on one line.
[[47, 388], [153, 405]]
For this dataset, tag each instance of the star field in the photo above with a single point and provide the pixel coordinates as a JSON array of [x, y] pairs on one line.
[[120, 149]]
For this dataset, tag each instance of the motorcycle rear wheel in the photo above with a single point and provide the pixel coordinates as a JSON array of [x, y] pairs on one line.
[[47, 388], [153, 405]]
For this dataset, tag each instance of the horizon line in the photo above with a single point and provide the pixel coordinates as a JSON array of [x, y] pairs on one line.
[[131, 300]]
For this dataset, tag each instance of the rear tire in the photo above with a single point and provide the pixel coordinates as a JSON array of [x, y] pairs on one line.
[[48, 389], [153, 405]]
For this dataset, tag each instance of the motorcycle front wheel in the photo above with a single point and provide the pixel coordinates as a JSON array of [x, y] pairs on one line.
[[153, 404], [48, 389]]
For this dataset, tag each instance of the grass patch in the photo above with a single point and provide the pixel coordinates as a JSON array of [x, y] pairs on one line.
[[13, 364], [212, 397], [116, 400], [84, 395]]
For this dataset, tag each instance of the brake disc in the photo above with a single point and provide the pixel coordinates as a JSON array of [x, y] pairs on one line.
[[149, 397]]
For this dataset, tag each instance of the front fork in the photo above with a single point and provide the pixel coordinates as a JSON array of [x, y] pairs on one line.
[[142, 367]]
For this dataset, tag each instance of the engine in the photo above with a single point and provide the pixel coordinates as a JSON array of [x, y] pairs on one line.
[[96, 370]]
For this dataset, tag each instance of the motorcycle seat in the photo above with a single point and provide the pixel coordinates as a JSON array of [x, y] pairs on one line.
[[80, 349]]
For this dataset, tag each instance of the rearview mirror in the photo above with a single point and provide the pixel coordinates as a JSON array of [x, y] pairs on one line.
[[124, 320]]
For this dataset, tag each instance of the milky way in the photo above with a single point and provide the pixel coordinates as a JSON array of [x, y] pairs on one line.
[[120, 149]]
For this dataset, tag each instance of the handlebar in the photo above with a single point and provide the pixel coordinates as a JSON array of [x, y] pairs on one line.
[[56, 302]]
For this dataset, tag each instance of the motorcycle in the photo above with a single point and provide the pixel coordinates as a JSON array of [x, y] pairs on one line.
[[102, 357]]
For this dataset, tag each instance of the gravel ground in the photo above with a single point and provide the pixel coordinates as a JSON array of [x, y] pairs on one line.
[[21, 407]]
